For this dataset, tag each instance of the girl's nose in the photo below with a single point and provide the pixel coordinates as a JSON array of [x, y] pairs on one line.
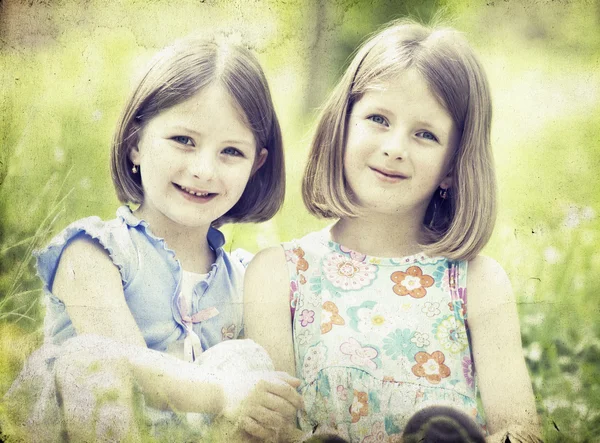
[[202, 165], [395, 147]]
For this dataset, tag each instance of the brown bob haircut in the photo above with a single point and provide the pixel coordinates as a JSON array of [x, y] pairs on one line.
[[464, 221], [176, 74]]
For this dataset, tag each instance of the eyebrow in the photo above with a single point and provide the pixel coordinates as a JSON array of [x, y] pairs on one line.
[[381, 110], [249, 143]]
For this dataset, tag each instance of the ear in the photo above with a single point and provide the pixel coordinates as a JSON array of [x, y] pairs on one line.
[[134, 151], [260, 160], [446, 183], [134, 155]]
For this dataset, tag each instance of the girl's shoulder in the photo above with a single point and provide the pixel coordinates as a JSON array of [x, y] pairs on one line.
[[83, 238], [487, 270], [488, 286]]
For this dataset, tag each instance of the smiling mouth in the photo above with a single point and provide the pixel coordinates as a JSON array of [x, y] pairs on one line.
[[194, 193], [387, 174]]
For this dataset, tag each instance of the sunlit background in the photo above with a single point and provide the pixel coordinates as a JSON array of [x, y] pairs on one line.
[[66, 69]]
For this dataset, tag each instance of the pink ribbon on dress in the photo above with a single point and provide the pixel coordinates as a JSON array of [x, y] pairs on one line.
[[192, 348]]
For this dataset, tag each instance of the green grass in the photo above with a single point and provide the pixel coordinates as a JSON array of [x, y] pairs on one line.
[[65, 74]]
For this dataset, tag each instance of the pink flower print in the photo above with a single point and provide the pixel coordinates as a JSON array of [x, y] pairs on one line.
[[356, 256], [306, 317], [359, 355], [342, 393], [348, 274], [467, 365], [290, 256], [377, 434], [293, 293], [442, 277], [228, 332]]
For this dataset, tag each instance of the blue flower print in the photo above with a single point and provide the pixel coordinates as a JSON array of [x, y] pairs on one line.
[[399, 343], [441, 276], [315, 284]]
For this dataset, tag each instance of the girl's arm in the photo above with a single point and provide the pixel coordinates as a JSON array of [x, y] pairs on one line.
[[267, 318], [90, 286], [504, 382], [267, 321]]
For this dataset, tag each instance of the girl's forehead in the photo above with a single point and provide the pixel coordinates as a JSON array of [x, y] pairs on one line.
[[407, 87], [210, 108]]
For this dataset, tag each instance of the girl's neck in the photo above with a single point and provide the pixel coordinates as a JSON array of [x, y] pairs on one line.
[[379, 235], [190, 245]]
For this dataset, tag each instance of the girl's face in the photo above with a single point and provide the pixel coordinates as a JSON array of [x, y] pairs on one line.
[[195, 159], [400, 141]]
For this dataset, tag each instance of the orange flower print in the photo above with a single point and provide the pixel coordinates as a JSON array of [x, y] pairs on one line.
[[411, 282], [301, 264], [360, 406], [431, 366], [330, 317]]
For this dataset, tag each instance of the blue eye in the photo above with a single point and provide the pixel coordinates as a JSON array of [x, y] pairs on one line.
[[380, 120], [427, 136], [183, 140], [233, 152]]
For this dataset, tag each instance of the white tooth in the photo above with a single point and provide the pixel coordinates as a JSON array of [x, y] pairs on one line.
[[197, 194]]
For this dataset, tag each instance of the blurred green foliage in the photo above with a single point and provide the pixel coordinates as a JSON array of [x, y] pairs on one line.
[[66, 69]]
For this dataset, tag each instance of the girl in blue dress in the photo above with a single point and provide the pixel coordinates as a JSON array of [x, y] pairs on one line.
[[392, 308], [198, 145]]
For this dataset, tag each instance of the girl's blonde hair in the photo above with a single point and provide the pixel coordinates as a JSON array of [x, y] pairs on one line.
[[464, 221], [177, 73]]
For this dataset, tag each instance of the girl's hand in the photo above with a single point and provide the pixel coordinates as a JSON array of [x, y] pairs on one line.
[[263, 404]]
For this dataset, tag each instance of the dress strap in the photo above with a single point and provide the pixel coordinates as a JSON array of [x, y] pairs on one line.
[[458, 288]]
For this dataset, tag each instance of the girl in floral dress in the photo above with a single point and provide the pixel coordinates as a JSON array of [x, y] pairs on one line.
[[371, 312]]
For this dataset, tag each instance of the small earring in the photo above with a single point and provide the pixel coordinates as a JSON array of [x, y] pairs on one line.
[[443, 193], [134, 169]]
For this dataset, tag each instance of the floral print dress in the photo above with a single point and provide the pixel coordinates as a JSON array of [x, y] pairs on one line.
[[377, 339]]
